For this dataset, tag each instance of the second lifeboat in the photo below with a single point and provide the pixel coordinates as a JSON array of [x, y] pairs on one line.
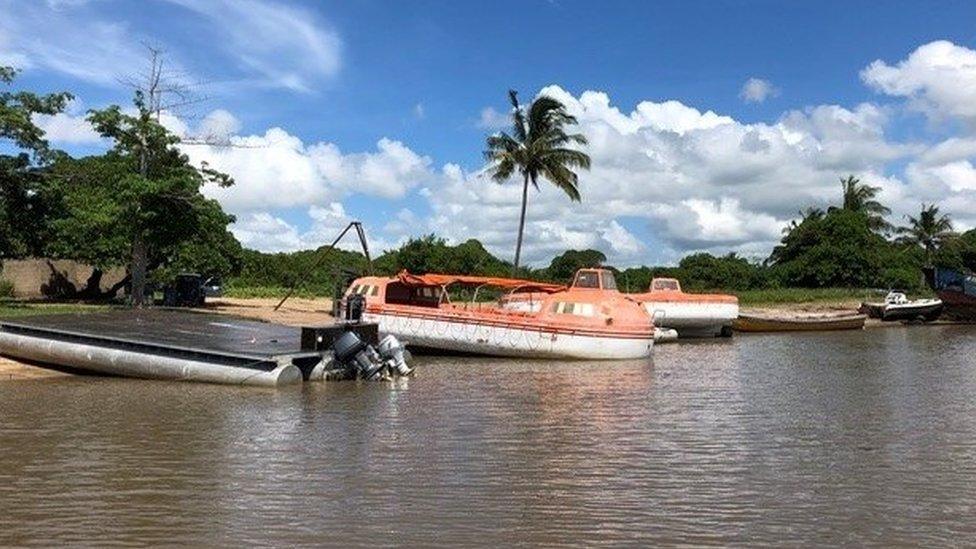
[[691, 315]]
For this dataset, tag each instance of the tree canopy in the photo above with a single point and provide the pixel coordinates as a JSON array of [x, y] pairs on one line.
[[861, 198], [929, 231], [22, 210], [564, 266]]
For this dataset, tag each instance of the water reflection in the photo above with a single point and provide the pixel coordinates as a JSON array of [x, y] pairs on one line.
[[849, 438]]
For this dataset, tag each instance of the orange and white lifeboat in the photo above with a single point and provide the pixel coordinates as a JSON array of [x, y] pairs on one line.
[[691, 315], [588, 320]]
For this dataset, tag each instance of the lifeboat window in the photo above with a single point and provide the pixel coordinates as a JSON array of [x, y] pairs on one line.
[[666, 284], [587, 279], [365, 289], [609, 282], [578, 309]]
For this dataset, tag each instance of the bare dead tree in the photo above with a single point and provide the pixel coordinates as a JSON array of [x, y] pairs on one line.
[[164, 89]]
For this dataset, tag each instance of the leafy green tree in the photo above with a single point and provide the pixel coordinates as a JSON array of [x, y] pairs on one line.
[[539, 146], [17, 110], [809, 213], [22, 212], [431, 254], [146, 191], [102, 206], [862, 198], [564, 266], [929, 231], [703, 271], [841, 250]]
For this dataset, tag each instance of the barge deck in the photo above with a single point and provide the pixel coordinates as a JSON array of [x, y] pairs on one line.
[[164, 344]]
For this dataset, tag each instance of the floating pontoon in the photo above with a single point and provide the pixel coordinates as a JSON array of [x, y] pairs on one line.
[[175, 345]]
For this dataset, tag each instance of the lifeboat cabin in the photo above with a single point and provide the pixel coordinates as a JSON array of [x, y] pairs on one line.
[[589, 319], [691, 315]]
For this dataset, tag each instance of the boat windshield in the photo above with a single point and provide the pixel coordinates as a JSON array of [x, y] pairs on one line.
[[665, 284], [587, 279], [595, 279]]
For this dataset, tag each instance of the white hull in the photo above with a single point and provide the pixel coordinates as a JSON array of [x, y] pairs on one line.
[[508, 341], [690, 319]]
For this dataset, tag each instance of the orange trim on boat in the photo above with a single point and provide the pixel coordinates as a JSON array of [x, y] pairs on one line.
[[669, 290], [433, 279]]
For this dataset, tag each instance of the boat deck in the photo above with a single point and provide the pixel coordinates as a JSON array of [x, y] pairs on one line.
[[182, 334]]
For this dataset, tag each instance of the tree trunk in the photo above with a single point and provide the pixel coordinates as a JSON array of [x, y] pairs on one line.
[[93, 286], [518, 243], [138, 270]]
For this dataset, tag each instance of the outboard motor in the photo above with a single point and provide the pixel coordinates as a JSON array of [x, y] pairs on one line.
[[355, 305], [393, 353], [351, 350]]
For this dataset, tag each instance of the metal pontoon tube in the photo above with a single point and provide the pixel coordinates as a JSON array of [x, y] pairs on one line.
[[140, 365]]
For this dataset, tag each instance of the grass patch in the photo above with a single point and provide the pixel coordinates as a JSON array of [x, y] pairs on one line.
[[774, 296], [14, 309], [250, 292]]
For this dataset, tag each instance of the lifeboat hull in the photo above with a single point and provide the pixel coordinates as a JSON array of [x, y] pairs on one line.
[[499, 339], [692, 319]]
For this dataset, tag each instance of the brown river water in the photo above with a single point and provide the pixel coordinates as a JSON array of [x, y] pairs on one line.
[[815, 439]]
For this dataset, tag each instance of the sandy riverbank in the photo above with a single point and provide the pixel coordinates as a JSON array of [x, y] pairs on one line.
[[295, 311]]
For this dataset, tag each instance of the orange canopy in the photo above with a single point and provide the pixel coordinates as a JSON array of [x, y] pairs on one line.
[[433, 279]]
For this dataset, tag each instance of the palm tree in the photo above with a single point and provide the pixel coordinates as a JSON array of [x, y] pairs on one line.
[[929, 230], [860, 197], [537, 147]]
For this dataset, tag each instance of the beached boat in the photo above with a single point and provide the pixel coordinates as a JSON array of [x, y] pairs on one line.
[[588, 320], [956, 289], [757, 323], [691, 315], [897, 306]]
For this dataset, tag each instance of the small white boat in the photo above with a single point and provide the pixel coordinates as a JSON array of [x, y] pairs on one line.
[[897, 306], [692, 315]]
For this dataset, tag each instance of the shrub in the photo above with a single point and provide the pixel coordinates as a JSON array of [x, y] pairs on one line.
[[6, 288]]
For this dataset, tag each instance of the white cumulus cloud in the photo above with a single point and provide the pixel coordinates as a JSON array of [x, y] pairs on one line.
[[757, 90], [938, 78]]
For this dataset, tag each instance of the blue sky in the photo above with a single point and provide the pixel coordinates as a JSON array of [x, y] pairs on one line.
[[372, 99]]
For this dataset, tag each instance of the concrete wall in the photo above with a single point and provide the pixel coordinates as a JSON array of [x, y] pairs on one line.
[[35, 278]]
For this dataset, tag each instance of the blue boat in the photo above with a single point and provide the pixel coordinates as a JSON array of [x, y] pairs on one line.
[[956, 289]]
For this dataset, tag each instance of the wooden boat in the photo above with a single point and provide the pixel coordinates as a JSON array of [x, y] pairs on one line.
[[588, 320], [956, 290], [691, 315], [756, 323]]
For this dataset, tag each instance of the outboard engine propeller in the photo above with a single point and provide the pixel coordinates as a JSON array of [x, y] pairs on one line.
[[351, 350], [392, 351]]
